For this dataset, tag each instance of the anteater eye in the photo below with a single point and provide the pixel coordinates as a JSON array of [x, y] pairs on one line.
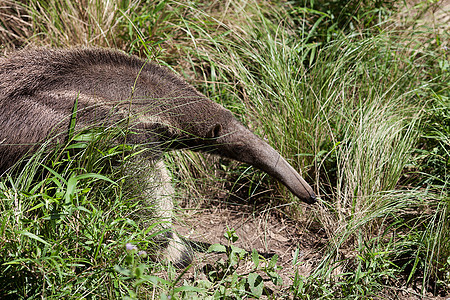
[[214, 131], [217, 130]]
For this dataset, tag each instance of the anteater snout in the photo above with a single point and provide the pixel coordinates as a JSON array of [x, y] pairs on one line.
[[312, 199]]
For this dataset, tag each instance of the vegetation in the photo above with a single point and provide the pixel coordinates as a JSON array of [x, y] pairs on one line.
[[354, 93]]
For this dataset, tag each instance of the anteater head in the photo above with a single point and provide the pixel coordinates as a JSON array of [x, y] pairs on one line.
[[214, 129], [234, 141]]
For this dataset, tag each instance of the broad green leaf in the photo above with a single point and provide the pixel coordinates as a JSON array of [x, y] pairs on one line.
[[256, 284], [217, 248]]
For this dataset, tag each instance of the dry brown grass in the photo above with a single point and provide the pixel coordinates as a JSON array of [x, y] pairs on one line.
[[62, 23]]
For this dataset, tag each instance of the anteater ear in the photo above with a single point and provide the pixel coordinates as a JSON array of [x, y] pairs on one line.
[[214, 131]]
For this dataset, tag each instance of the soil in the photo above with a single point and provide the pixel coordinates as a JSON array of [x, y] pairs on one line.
[[269, 232], [265, 231]]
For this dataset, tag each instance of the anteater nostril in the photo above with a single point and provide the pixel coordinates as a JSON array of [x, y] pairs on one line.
[[312, 198]]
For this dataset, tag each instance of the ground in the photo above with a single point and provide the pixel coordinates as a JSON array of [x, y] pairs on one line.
[[269, 232], [266, 231]]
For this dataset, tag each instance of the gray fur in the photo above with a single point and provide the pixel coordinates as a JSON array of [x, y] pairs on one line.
[[38, 88]]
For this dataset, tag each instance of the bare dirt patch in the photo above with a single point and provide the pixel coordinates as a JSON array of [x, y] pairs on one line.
[[266, 231], [269, 232]]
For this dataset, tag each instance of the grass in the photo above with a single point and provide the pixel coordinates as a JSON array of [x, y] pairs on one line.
[[359, 104], [49, 245]]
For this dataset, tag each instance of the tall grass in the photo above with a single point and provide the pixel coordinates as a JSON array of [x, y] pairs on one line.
[[349, 113], [135, 26], [64, 226], [73, 220], [62, 23]]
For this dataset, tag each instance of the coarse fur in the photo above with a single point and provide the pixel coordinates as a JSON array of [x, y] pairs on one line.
[[38, 89]]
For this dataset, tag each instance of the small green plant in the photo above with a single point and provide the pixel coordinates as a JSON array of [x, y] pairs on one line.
[[223, 279], [226, 279], [135, 276]]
